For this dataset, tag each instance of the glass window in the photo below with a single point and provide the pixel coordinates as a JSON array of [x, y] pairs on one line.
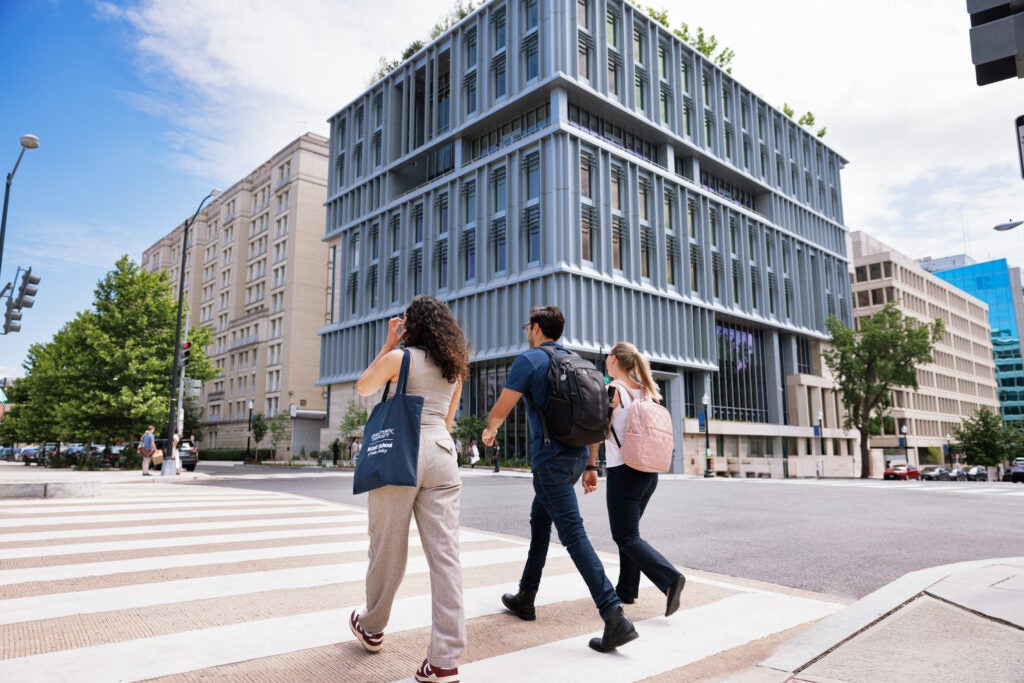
[[470, 43]]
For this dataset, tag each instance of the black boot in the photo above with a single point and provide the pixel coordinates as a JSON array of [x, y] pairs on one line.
[[618, 630], [520, 604]]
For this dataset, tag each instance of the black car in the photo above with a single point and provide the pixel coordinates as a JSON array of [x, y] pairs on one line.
[[1015, 474], [958, 474], [977, 473], [935, 473], [33, 454]]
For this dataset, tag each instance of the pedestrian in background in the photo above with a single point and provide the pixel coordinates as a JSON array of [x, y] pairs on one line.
[[630, 490], [495, 450], [474, 454], [335, 452], [439, 364], [556, 469], [146, 449]]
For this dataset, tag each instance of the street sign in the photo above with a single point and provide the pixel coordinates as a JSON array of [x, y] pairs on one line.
[[701, 426]]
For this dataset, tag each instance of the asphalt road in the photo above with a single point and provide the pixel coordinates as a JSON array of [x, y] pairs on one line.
[[843, 537]]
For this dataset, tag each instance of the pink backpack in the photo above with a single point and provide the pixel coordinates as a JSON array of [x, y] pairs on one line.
[[648, 443]]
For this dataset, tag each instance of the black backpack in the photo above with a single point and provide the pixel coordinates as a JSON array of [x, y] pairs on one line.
[[579, 410]]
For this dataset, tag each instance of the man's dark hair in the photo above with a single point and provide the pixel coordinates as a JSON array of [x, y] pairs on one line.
[[549, 319]]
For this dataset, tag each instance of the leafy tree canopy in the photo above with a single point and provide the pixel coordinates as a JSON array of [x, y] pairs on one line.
[[106, 373], [983, 439], [869, 364]]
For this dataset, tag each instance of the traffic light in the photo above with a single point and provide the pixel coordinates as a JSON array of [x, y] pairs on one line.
[[997, 39], [27, 291], [11, 317], [186, 351]]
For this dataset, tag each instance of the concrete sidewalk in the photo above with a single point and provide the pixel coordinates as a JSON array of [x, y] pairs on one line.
[[955, 623]]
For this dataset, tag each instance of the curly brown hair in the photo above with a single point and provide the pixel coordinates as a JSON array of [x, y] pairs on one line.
[[430, 325]]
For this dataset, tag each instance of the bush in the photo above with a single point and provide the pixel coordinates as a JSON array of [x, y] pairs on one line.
[[59, 461], [224, 454], [129, 459]]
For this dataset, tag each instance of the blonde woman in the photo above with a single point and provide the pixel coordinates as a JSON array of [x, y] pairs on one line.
[[630, 490]]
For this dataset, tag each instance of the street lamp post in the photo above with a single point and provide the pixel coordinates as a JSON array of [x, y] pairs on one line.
[[172, 421], [708, 471], [821, 442], [27, 142], [248, 435], [906, 446]]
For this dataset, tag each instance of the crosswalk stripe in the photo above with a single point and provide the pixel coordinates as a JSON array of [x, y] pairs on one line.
[[340, 515], [664, 644], [141, 516], [64, 597]]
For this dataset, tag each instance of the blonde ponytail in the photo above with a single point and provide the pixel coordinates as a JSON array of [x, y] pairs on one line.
[[637, 367]]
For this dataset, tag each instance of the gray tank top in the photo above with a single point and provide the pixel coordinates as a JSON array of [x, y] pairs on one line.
[[426, 380]]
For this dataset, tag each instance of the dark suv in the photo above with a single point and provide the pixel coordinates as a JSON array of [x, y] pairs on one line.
[[187, 451]]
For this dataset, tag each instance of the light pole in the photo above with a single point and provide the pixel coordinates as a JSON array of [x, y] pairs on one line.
[[172, 421], [248, 435], [906, 446], [708, 472], [821, 442], [27, 142]]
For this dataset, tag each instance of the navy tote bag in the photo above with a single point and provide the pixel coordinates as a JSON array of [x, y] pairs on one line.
[[391, 439]]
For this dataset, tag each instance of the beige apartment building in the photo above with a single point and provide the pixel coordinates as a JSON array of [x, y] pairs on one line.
[[256, 274], [962, 378]]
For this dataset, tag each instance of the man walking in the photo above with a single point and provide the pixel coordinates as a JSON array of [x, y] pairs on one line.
[[556, 469]]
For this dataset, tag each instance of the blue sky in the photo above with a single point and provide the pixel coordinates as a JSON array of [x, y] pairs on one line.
[[142, 106]]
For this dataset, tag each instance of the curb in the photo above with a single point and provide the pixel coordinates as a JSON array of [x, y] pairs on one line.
[[869, 611], [62, 489]]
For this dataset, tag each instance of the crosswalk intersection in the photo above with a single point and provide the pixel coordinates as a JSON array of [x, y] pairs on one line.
[[186, 583]]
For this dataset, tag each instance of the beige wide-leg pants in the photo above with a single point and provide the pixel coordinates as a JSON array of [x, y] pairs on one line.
[[435, 503]]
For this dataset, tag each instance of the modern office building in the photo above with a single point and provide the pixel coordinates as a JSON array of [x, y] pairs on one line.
[[256, 273], [1002, 288], [577, 153], [962, 377]]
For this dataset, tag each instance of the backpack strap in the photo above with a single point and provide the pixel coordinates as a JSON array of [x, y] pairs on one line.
[[618, 384]]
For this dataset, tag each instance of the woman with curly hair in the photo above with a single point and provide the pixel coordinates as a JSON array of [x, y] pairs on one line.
[[439, 355]]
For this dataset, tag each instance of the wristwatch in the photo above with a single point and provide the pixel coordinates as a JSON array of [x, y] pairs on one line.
[[591, 468]]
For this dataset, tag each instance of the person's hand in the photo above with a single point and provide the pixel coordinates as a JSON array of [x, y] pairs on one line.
[[488, 436], [396, 330], [589, 481]]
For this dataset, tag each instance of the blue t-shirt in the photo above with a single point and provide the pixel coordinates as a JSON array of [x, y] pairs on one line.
[[148, 441], [529, 376]]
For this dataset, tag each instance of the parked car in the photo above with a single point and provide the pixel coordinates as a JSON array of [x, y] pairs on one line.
[[187, 451], [935, 473], [1015, 473], [33, 454], [977, 473], [903, 472], [11, 453], [958, 474], [76, 453]]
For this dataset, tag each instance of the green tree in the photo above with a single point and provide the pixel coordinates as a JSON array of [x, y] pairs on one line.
[[280, 429], [869, 364], [468, 427], [984, 439], [352, 422], [259, 430], [106, 373]]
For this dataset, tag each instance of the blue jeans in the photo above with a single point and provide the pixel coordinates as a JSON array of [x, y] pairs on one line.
[[554, 502], [629, 491]]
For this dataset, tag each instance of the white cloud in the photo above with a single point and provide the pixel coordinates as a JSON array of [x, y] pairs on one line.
[[238, 81]]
